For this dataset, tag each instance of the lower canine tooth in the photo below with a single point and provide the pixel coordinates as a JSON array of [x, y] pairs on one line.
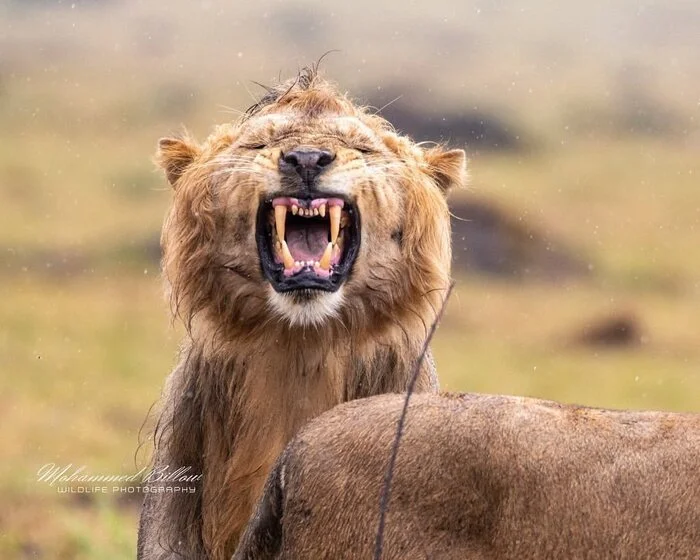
[[325, 262], [287, 256]]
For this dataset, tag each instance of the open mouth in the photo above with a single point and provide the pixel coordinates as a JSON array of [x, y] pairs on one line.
[[307, 243]]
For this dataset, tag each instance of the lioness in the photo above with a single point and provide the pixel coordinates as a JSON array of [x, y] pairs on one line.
[[484, 477], [307, 248]]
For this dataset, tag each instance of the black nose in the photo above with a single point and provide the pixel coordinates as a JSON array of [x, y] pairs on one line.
[[308, 163]]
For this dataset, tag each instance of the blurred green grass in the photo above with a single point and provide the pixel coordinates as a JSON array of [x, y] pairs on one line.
[[85, 340]]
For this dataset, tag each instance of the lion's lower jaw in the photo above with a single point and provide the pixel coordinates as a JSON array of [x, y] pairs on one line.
[[307, 313]]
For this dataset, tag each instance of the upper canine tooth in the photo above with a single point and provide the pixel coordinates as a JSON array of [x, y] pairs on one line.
[[287, 256], [322, 210], [334, 212], [325, 262], [280, 217], [295, 209]]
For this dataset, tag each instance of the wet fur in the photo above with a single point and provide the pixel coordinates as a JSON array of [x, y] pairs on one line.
[[484, 476], [248, 377]]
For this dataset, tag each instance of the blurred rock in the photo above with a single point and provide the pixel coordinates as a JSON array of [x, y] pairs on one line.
[[474, 130], [619, 330], [488, 240]]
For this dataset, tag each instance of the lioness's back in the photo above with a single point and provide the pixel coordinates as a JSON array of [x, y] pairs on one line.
[[482, 476]]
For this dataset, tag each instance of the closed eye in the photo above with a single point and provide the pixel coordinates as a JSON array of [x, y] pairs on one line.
[[363, 145]]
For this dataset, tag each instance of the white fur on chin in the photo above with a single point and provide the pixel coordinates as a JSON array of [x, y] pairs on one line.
[[309, 313]]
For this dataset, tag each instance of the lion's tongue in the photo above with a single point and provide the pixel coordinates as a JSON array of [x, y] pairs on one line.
[[307, 242]]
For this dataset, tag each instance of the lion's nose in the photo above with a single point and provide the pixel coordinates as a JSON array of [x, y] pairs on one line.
[[308, 163]]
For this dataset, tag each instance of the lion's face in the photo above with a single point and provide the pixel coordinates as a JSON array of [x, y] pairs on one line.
[[312, 209]]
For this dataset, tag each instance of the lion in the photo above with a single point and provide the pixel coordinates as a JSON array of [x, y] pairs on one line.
[[307, 248], [483, 476]]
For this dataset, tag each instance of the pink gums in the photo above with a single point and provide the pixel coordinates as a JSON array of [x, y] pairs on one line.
[[315, 203]]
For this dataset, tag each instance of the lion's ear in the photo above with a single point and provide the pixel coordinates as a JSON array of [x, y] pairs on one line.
[[448, 168], [175, 155]]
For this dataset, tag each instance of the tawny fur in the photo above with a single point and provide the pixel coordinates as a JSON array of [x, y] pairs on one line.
[[251, 373], [484, 477]]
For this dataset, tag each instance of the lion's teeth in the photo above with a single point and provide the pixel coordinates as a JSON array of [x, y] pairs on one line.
[[280, 217], [295, 209], [334, 212], [322, 210], [325, 262], [315, 211], [287, 256]]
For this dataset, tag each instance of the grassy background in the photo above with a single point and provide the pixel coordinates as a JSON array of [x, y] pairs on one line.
[[607, 94]]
